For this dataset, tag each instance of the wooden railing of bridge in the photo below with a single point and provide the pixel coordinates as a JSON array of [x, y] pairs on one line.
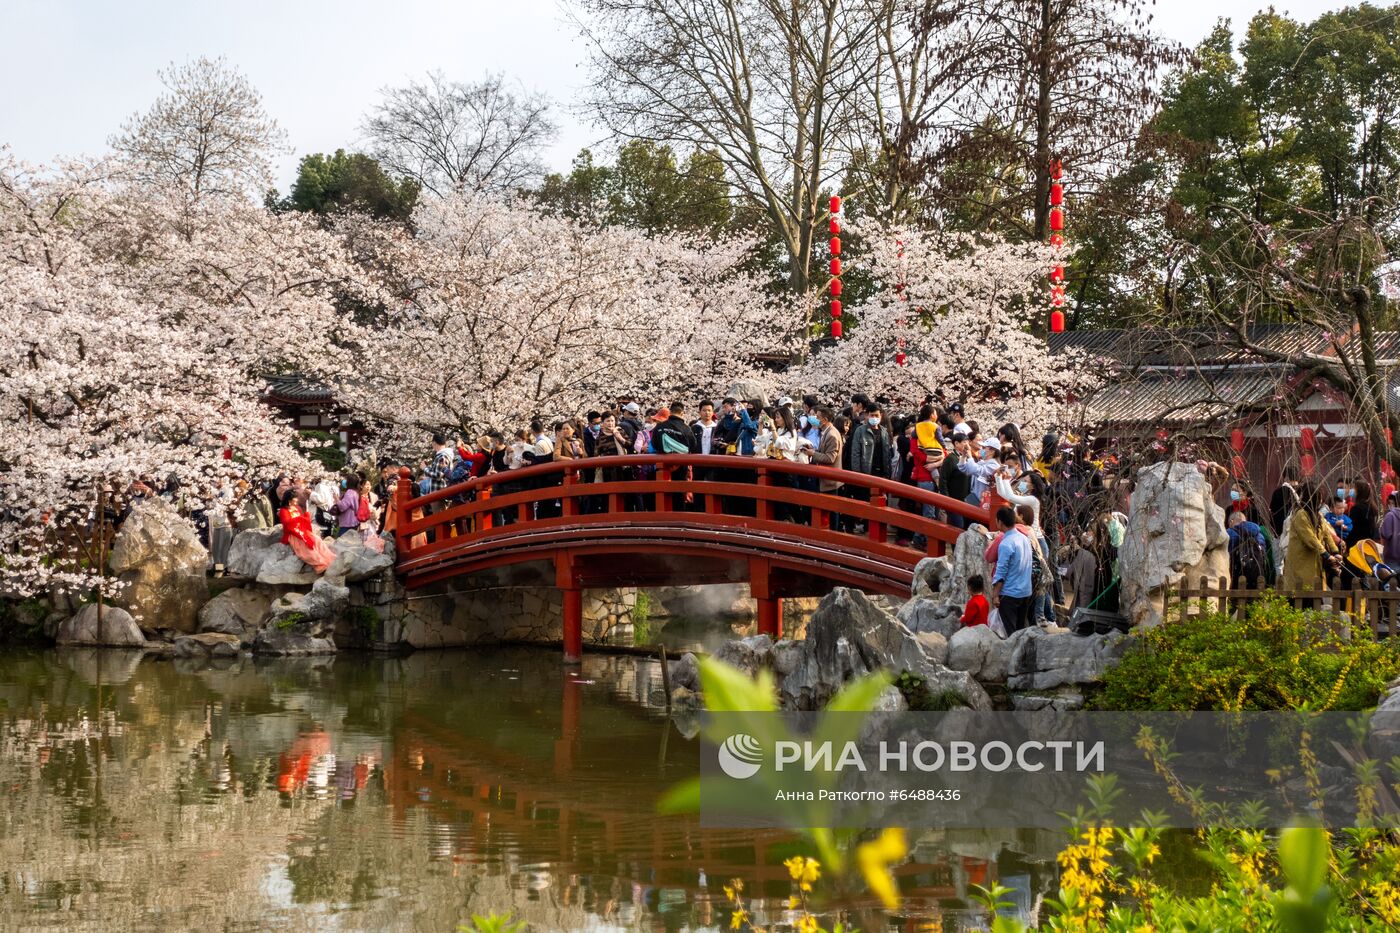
[[769, 514]]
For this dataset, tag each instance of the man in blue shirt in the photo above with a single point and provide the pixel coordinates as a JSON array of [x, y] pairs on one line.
[[1011, 586]]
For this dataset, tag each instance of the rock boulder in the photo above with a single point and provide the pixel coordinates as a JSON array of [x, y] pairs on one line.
[[327, 600], [117, 629], [1175, 531], [745, 390], [206, 645], [931, 615], [259, 554], [981, 652], [294, 640], [930, 577], [749, 655], [1046, 659], [847, 637], [159, 558], [355, 562], [967, 560], [239, 612]]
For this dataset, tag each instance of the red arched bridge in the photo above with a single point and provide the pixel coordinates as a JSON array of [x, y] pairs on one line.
[[673, 520]]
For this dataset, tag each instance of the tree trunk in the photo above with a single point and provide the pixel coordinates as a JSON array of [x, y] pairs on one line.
[[1042, 126]]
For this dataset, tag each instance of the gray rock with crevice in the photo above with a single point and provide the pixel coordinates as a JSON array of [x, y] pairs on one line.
[[110, 627]]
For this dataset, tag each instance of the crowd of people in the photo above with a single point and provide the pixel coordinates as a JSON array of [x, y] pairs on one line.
[[1058, 514], [1312, 538], [1055, 544]]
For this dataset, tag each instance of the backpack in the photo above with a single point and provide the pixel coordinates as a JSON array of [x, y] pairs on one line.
[[670, 444], [461, 471], [362, 513], [1248, 558]]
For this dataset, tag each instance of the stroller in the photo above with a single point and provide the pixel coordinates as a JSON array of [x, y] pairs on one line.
[[1365, 558]]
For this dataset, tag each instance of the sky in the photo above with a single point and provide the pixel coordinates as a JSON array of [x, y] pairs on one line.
[[75, 69]]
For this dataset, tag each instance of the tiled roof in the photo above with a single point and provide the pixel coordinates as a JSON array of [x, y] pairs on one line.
[[1154, 346], [1185, 398], [296, 389]]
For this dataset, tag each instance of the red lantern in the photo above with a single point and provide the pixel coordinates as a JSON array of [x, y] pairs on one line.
[[1237, 464], [899, 358], [1308, 464], [1057, 322], [835, 288], [1308, 438], [836, 204], [1057, 296], [1057, 275], [1057, 240], [835, 308], [1057, 194], [836, 246], [1057, 219], [1237, 440], [835, 267], [836, 328], [1056, 169], [834, 226]]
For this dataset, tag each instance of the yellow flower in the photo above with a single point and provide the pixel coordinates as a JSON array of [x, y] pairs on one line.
[[804, 871], [876, 857], [807, 924], [738, 919]]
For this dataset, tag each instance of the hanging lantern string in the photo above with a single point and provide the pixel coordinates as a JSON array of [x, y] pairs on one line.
[[1057, 241], [835, 247]]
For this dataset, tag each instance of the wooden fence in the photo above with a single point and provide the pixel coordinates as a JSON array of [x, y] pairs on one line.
[[1376, 610]]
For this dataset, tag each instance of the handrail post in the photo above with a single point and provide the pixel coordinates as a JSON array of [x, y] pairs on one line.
[[402, 493], [483, 518], [569, 502], [876, 529], [765, 505], [662, 474]]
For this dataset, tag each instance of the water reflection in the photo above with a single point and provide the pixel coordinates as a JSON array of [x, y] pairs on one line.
[[379, 793]]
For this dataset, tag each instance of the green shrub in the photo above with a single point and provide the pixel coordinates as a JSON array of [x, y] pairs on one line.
[[366, 620], [921, 698], [1276, 657], [289, 620], [21, 621]]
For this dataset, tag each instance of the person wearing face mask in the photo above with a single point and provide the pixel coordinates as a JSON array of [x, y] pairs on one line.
[[870, 447], [810, 424], [871, 444], [981, 470]]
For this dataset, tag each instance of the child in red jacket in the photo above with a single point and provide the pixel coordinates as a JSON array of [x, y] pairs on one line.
[[977, 608]]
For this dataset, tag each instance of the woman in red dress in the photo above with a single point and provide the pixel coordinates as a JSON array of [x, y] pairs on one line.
[[314, 550]]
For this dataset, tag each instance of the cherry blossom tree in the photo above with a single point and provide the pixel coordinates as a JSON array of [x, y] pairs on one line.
[[208, 135], [968, 312], [501, 314], [133, 338]]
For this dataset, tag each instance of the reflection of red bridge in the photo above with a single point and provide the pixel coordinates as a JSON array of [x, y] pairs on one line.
[[553, 811], [697, 519]]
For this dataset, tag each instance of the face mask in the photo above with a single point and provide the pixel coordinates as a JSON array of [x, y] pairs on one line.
[[1234, 495], [596, 429], [1023, 487], [1341, 493], [874, 422]]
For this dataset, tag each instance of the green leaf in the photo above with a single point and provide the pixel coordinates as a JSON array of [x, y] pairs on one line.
[[683, 798], [1303, 852], [729, 690]]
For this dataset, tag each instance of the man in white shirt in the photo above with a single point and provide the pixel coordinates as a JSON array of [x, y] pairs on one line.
[[705, 428]]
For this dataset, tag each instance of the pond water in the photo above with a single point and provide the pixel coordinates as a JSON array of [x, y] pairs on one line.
[[372, 793]]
